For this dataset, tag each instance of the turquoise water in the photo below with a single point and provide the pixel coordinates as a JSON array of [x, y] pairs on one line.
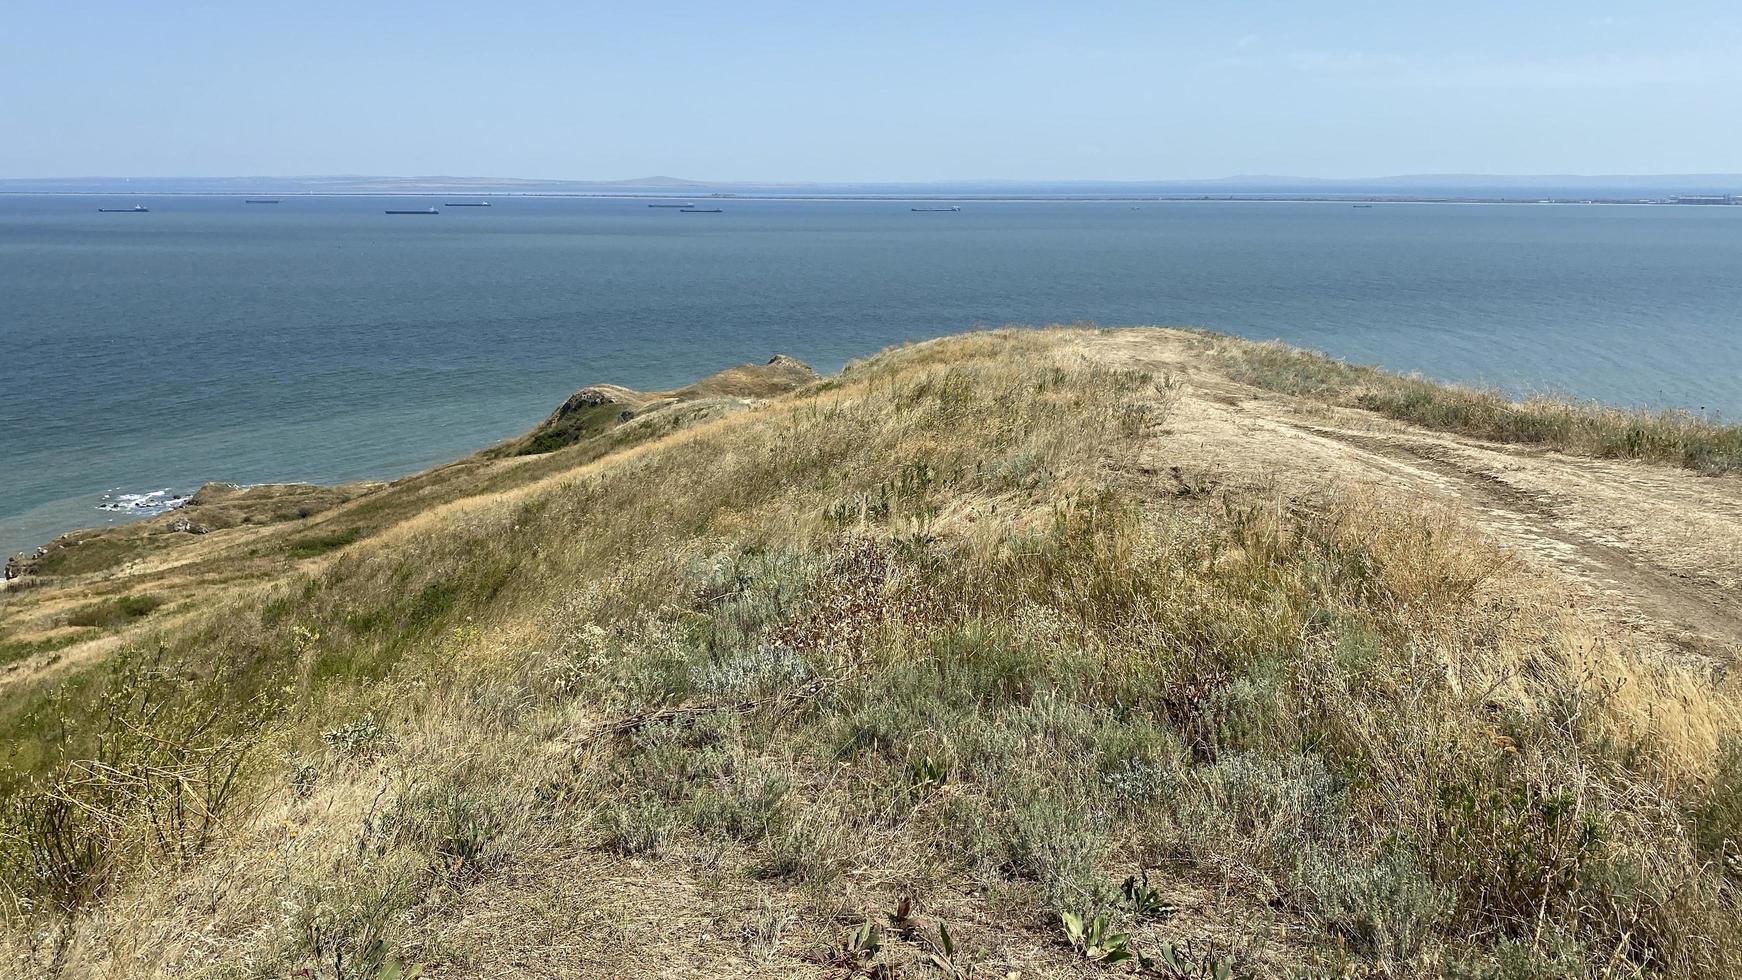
[[320, 339]]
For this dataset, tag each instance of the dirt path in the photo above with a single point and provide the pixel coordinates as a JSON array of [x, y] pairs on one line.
[[1677, 606], [1658, 548]]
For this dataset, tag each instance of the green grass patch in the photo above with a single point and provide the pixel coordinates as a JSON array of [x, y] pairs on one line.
[[88, 553], [119, 611], [12, 651], [309, 546]]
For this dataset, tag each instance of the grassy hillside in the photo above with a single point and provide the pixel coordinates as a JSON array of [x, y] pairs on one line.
[[229, 538], [921, 670], [593, 410], [1679, 437]]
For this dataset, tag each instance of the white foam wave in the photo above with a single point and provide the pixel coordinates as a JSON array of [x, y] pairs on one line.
[[143, 504]]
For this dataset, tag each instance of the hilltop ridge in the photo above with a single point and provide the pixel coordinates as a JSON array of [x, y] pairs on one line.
[[1058, 653]]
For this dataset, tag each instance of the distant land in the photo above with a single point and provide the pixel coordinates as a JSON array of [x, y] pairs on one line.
[[1420, 187]]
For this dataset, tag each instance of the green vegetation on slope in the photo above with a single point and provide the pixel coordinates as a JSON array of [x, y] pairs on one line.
[[1678, 437], [913, 639], [228, 536], [597, 409], [114, 612]]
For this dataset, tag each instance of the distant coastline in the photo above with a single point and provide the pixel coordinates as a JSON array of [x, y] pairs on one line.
[[452, 328], [1416, 188], [936, 198]]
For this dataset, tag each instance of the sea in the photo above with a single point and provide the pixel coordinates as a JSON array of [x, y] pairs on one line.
[[320, 339]]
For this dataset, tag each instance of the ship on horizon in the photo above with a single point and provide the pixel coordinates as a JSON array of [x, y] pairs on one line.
[[422, 211], [135, 209], [260, 200], [952, 208]]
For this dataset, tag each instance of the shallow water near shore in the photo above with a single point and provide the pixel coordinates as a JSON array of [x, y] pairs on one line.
[[319, 339]]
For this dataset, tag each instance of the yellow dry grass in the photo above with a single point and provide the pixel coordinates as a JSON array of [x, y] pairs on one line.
[[986, 624]]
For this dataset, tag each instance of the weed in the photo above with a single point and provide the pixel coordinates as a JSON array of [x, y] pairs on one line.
[[1142, 901], [746, 803], [925, 774], [1054, 843], [303, 778], [764, 936], [460, 829], [1718, 815], [1194, 961], [394, 968], [859, 950], [162, 777], [642, 825], [803, 850], [346, 927], [756, 673], [363, 739], [1388, 909], [1095, 939]]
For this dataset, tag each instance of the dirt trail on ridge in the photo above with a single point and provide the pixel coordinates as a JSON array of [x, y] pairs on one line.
[[1658, 547]]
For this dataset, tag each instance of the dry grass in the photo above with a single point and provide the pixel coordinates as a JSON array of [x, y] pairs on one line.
[[707, 704], [1679, 437]]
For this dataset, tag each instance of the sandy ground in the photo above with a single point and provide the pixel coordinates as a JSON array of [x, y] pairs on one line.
[[1659, 547]]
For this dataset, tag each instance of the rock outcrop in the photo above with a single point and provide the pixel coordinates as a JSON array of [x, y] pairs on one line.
[[598, 408]]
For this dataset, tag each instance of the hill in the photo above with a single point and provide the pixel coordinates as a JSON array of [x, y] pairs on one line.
[[1048, 653]]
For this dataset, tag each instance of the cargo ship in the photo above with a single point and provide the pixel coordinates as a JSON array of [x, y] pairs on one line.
[[424, 211], [700, 211], [135, 209], [934, 209], [261, 200]]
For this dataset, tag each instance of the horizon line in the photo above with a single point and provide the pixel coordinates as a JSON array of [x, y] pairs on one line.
[[663, 178]]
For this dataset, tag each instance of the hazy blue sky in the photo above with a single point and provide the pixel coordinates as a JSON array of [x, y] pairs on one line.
[[820, 90]]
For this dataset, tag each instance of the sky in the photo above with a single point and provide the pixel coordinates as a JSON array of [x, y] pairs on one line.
[[822, 90]]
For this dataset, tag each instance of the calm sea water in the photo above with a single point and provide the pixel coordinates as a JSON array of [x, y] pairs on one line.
[[320, 339]]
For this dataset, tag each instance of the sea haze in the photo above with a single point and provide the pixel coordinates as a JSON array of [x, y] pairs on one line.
[[320, 339]]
